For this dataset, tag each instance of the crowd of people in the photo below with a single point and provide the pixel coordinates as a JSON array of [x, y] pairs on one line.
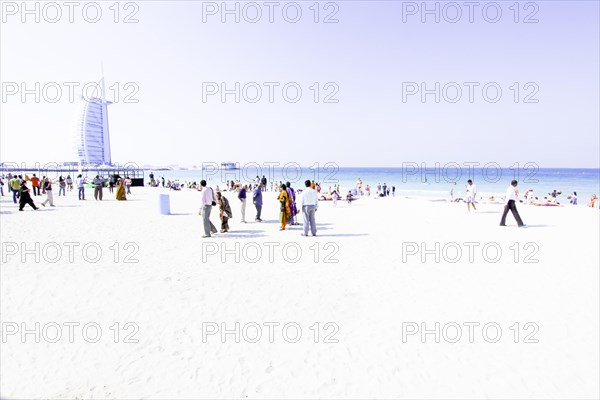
[[289, 206], [291, 202], [24, 186]]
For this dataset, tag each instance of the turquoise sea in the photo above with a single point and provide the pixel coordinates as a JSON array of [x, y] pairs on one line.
[[413, 180]]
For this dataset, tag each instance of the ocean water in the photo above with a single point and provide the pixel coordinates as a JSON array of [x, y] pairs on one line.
[[413, 181]]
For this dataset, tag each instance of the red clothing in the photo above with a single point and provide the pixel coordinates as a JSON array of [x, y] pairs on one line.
[[35, 181]]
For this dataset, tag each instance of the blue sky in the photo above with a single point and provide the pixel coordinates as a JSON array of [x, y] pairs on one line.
[[367, 58]]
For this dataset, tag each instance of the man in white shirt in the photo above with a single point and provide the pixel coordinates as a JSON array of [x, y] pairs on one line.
[[471, 192], [309, 207], [208, 200], [512, 195]]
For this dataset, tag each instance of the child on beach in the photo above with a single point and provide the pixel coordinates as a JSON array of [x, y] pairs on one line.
[[349, 197]]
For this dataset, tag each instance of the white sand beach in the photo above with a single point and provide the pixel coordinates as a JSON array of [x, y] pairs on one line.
[[170, 303]]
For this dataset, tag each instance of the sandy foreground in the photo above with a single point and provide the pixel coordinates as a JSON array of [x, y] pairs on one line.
[[133, 304]]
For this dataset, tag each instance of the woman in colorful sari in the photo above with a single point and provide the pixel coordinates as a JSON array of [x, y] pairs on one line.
[[225, 212], [284, 206], [121, 190], [292, 197]]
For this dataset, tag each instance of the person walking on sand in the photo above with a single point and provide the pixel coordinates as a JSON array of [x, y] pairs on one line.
[[512, 195], [127, 182], [120, 190], [258, 202], [48, 190], [35, 185], [471, 193], [263, 183], [284, 206], [80, 181], [62, 185], [224, 212], [292, 196], [15, 187], [98, 185], [69, 183], [25, 198], [310, 202], [242, 196], [112, 182], [208, 201]]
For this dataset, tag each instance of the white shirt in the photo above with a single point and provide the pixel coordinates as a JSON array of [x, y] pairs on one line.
[[309, 197], [208, 196], [511, 194], [471, 190]]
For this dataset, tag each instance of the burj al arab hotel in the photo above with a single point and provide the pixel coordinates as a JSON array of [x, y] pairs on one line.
[[91, 129]]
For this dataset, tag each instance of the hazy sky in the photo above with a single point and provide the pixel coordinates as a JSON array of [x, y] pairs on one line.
[[375, 61]]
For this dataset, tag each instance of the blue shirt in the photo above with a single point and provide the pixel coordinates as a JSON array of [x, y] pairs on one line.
[[257, 193], [242, 194]]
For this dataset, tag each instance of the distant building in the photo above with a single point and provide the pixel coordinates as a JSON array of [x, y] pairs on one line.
[[91, 130]]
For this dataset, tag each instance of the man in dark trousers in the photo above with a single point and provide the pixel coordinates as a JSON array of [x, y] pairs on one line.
[[512, 195], [98, 185], [258, 202], [25, 198]]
